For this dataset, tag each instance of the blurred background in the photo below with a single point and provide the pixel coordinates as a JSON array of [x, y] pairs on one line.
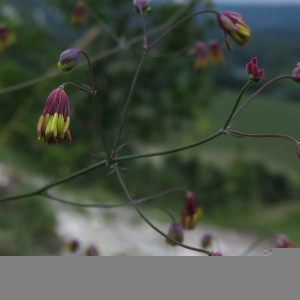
[[246, 187]]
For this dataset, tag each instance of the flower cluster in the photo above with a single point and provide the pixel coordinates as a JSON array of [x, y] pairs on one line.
[[79, 14], [233, 24], [7, 37], [207, 54], [255, 73], [191, 213], [176, 233], [143, 4], [54, 123]]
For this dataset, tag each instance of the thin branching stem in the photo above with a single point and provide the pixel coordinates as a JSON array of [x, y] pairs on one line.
[[77, 86], [209, 253]]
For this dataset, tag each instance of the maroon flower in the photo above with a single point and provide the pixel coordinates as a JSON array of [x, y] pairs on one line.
[[7, 37], [283, 242], [216, 254], [233, 24], [176, 233], [79, 14], [191, 213], [92, 251], [54, 123], [73, 246], [255, 73], [202, 55], [215, 52]]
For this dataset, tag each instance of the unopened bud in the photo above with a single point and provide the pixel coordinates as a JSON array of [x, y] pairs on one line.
[[206, 241], [283, 242], [73, 246], [216, 254], [296, 73], [298, 150], [68, 60], [176, 233], [143, 4], [92, 251]]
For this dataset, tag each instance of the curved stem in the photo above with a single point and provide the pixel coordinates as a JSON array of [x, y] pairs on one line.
[[160, 208], [241, 134], [246, 86], [95, 100], [181, 21], [46, 187], [77, 86], [152, 225], [144, 28], [211, 137], [258, 91], [128, 101]]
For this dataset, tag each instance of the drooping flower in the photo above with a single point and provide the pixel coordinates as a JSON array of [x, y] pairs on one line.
[[7, 37], [79, 14], [206, 241], [215, 52], [296, 72], [143, 4], [92, 251], [255, 73], [191, 212], [283, 242], [73, 246], [54, 123], [68, 60], [202, 56], [233, 24], [176, 233]]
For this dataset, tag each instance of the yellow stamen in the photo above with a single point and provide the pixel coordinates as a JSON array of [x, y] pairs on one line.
[[243, 30], [54, 125], [48, 127], [67, 124]]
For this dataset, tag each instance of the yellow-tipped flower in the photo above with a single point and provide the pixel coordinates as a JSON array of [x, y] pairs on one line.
[[7, 37], [215, 52], [54, 123], [233, 24], [79, 14], [191, 213], [202, 56]]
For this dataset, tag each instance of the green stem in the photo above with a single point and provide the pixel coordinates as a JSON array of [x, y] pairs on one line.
[[181, 21], [46, 187], [152, 225], [242, 134], [246, 86], [95, 100], [258, 91], [128, 101], [211, 137]]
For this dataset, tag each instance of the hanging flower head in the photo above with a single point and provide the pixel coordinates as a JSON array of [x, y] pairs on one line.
[[143, 4], [7, 37], [215, 52], [54, 123], [202, 56], [233, 24], [79, 14], [192, 211]]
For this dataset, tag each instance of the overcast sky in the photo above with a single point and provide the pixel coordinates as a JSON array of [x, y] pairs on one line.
[[269, 2]]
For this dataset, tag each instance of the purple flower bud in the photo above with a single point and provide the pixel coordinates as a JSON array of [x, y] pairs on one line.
[[68, 60], [73, 246], [143, 4], [254, 72], [206, 241], [298, 150], [176, 233], [92, 251], [296, 72], [191, 212], [283, 242], [216, 254], [254, 61]]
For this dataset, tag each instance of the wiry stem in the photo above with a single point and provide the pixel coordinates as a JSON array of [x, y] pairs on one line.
[[78, 87], [152, 225]]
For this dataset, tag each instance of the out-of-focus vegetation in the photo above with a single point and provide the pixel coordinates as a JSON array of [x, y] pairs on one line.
[[235, 179]]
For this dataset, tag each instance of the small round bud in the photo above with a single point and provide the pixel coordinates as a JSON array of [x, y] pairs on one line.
[[206, 241], [296, 72], [176, 233], [92, 251], [68, 60], [216, 254]]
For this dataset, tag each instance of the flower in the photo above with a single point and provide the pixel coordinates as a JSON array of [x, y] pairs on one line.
[[191, 212], [54, 123], [79, 14], [73, 246], [215, 52], [255, 73], [143, 4], [202, 56], [206, 241], [296, 72], [68, 60], [283, 242], [91, 251], [216, 254], [176, 233], [233, 24], [7, 37]]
